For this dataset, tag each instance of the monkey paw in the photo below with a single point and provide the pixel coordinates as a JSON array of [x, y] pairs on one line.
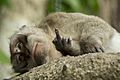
[[61, 44], [91, 45]]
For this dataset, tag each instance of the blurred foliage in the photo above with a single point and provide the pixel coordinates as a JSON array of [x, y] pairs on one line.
[[84, 6], [4, 3], [3, 58]]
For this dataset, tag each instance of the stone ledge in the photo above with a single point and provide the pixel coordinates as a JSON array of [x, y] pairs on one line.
[[94, 66]]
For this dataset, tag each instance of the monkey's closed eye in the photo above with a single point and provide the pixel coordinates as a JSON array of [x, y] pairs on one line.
[[19, 45]]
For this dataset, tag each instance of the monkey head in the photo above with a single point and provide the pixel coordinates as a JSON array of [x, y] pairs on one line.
[[26, 52]]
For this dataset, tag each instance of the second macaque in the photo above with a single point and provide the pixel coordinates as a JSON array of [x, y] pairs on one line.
[[58, 35]]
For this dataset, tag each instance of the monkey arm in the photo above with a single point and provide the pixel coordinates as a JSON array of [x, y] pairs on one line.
[[93, 38]]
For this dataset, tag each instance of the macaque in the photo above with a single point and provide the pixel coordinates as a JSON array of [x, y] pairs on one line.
[[61, 34]]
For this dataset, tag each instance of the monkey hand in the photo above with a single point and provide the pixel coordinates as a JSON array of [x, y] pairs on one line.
[[62, 44]]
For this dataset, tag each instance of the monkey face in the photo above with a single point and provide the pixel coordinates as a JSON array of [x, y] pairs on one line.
[[19, 53], [25, 56]]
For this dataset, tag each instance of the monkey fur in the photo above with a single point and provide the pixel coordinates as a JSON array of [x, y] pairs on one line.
[[61, 34]]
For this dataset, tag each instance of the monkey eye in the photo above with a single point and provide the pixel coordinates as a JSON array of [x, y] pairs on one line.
[[19, 45]]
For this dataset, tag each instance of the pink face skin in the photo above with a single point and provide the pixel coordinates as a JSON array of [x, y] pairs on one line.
[[22, 57]]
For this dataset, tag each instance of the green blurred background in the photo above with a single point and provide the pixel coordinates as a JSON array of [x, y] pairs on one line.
[[4, 59], [84, 6]]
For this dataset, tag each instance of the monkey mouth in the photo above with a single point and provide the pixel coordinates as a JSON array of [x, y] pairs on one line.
[[22, 68]]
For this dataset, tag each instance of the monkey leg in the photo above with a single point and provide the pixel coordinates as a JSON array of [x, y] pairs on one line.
[[91, 44], [94, 37], [65, 45]]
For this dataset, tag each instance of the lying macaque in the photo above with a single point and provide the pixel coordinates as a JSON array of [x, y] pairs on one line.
[[61, 34]]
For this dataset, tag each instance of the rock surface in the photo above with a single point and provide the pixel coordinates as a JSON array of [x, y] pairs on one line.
[[97, 66]]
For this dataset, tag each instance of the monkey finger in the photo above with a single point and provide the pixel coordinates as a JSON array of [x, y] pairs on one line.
[[57, 34], [98, 49], [57, 43], [69, 41], [90, 49], [64, 42], [54, 41], [102, 49], [93, 50]]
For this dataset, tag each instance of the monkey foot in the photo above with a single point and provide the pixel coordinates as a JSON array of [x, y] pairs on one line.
[[91, 45]]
